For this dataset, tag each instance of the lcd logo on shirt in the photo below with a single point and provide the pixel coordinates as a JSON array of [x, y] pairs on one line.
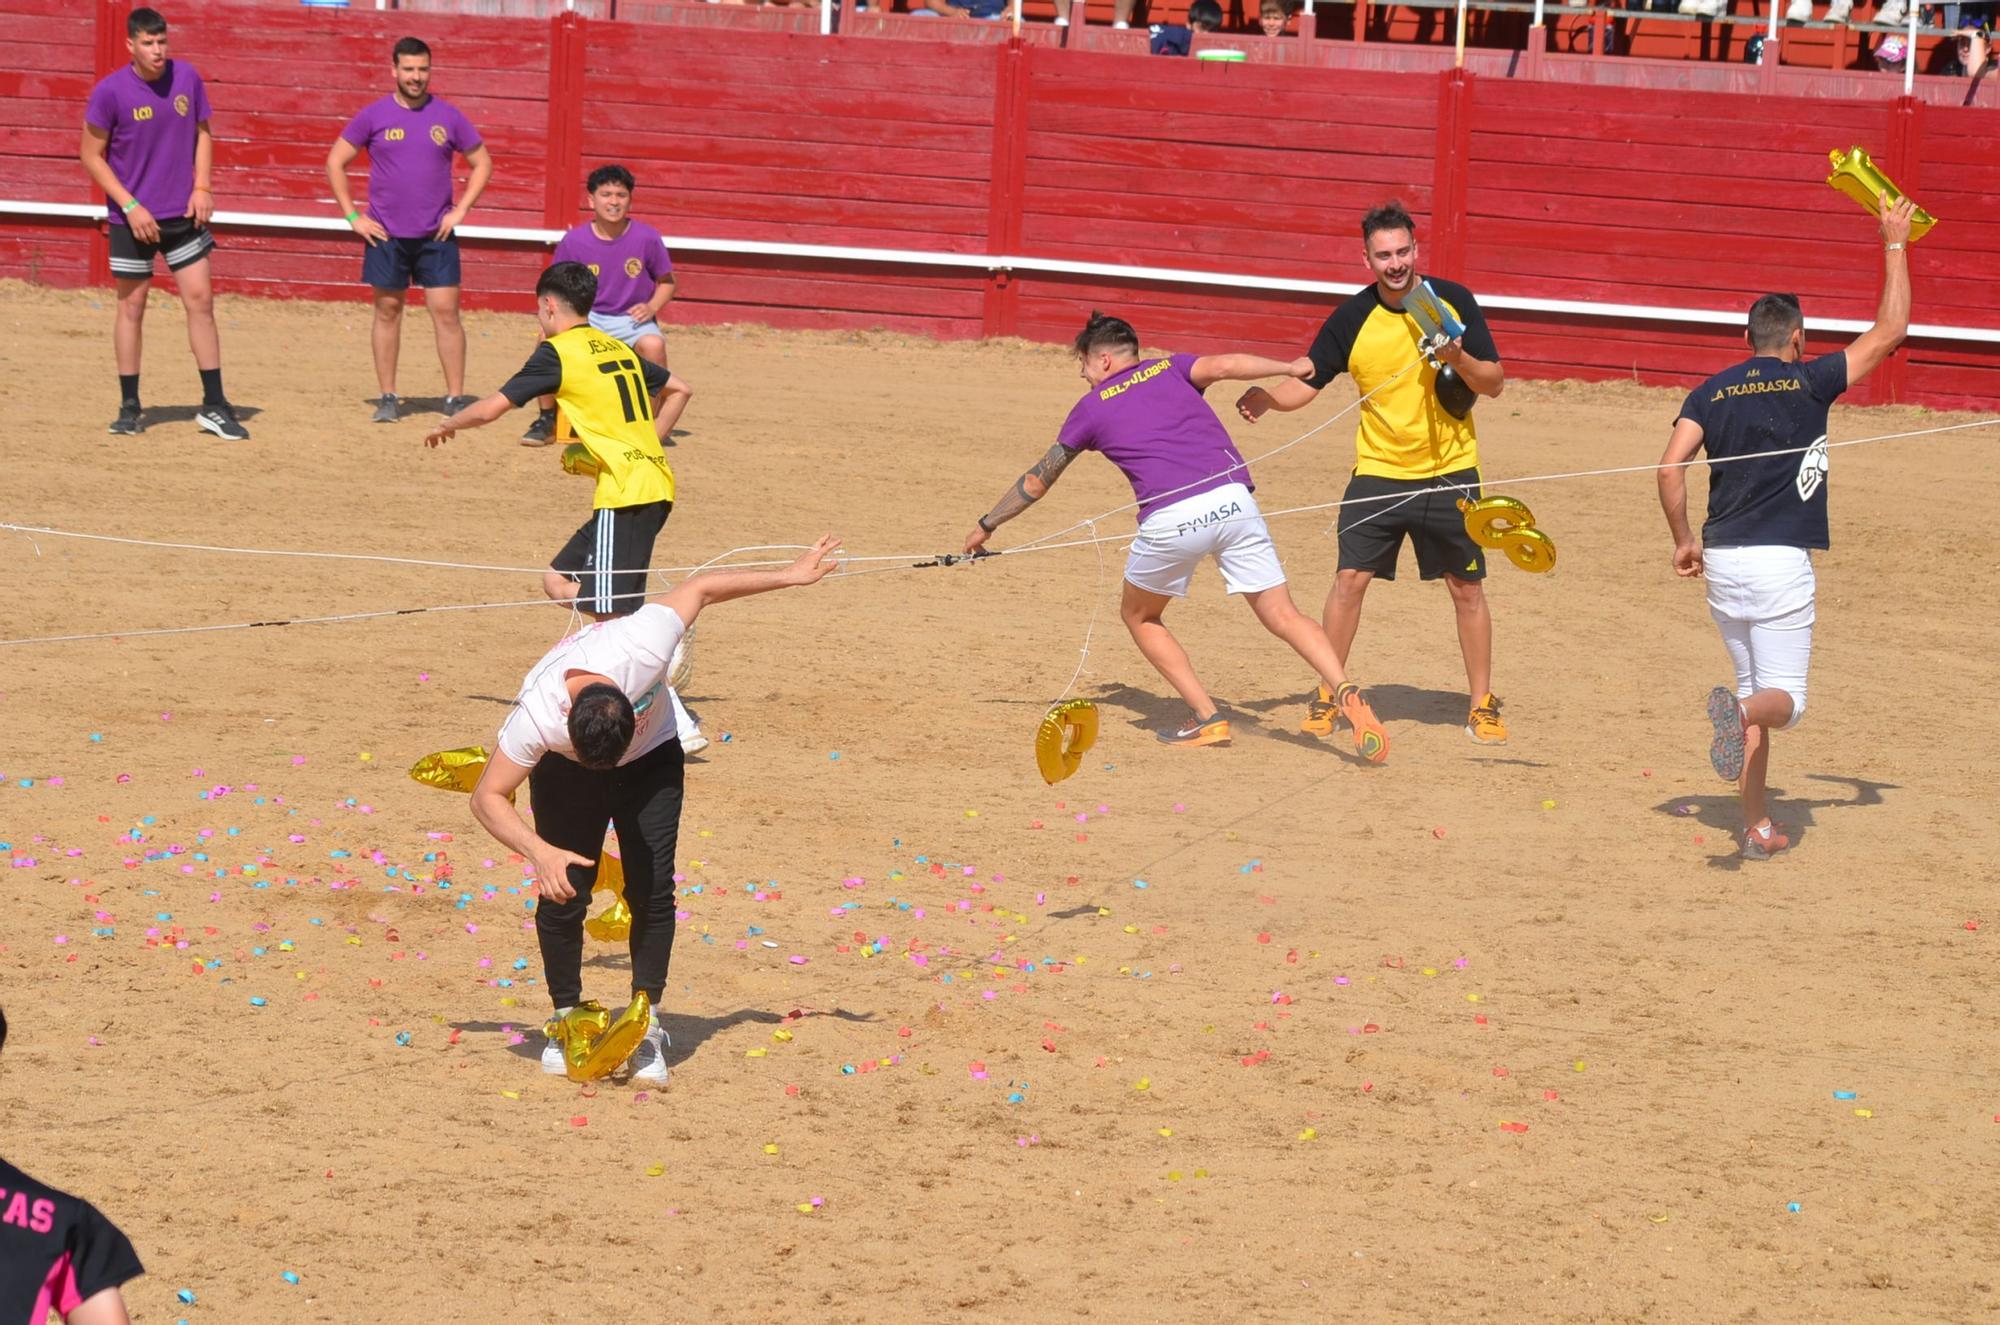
[[392, 135], [142, 112]]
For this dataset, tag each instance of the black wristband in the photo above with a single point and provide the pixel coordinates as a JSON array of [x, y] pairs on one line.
[[983, 525]]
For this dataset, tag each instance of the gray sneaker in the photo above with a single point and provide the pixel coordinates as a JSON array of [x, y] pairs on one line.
[[542, 431], [387, 408], [130, 421], [453, 404], [220, 419]]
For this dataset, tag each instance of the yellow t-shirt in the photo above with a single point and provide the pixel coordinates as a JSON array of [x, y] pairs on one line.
[[1404, 432], [606, 391]]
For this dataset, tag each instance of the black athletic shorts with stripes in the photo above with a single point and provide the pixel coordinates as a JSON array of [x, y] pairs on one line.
[[182, 243], [608, 557]]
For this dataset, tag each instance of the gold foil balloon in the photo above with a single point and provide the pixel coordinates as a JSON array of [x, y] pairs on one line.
[[577, 459], [451, 770], [593, 1045], [1508, 526], [1857, 176], [615, 922], [1068, 730]]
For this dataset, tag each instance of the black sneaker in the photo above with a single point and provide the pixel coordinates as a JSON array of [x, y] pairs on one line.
[[453, 404], [130, 421], [220, 419], [388, 408], [542, 431]]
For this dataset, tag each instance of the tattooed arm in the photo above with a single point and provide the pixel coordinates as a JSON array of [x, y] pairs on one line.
[[1028, 489]]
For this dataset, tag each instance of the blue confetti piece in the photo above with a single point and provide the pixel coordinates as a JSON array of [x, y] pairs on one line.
[[833, 755], [847, 1069], [727, 737], [97, 736], [403, 1038], [258, 1001], [290, 1276], [186, 1295], [1793, 1206], [1843, 1094]]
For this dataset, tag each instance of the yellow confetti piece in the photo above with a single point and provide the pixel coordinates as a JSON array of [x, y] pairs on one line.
[[771, 1148], [1659, 1219], [1472, 998], [655, 1170], [1548, 805], [1579, 1065], [1104, 910], [972, 814], [1166, 1131], [755, 1053], [366, 757], [706, 833], [1864, 1113], [1201, 1173], [299, 975], [1310, 1134], [510, 1001], [1131, 929], [511, 1094], [1430, 970], [1173, 1175], [287, 946], [1143, 1083], [884, 1062], [353, 940], [804, 1207], [781, 1036]]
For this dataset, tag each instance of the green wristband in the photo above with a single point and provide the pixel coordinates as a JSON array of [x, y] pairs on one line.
[[127, 208], [351, 215]]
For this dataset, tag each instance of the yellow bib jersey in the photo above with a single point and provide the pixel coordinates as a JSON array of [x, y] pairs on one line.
[[606, 392], [1407, 444]]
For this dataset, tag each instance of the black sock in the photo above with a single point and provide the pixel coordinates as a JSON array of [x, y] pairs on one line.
[[211, 387], [128, 388]]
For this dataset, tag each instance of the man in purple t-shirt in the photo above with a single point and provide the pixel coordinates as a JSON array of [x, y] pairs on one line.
[[1193, 494], [410, 137], [146, 144], [635, 280]]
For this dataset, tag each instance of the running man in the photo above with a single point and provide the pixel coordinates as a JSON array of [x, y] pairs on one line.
[[58, 1253], [1767, 512], [410, 137], [1193, 492], [585, 736], [635, 280], [146, 143], [607, 392], [1416, 452]]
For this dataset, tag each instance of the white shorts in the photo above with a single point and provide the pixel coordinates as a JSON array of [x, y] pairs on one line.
[[1225, 524], [1762, 601], [624, 328]]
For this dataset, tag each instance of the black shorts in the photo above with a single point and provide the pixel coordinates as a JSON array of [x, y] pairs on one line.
[[394, 263], [617, 540], [1371, 533], [182, 243]]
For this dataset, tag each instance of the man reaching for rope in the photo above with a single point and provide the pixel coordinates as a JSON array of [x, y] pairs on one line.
[[1193, 492], [1766, 513]]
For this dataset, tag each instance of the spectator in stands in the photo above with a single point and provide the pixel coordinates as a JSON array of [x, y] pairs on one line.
[[146, 144], [410, 136], [981, 9], [1974, 52], [1892, 54], [1272, 16], [1174, 39]]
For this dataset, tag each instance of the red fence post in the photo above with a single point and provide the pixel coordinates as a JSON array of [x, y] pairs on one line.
[[1451, 168], [109, 54], [568, 45], [1000, 309], [1901, 161]]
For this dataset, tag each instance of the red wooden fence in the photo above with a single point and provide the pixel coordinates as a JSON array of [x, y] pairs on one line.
[[1524, 188]]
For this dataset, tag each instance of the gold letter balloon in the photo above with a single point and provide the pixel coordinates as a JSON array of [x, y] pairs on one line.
[[1067, 732], [1508, 526], [593, 1045]]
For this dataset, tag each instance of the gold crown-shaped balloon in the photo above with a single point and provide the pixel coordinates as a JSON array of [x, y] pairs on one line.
[[1857, 176]]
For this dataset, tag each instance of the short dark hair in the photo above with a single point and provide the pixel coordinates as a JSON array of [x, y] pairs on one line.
[[571, 282], [1105, 332], [409, 46], [1773, 319], [609, 175], [1205, 14], [143, 22], [600, 725], [1391, 215]]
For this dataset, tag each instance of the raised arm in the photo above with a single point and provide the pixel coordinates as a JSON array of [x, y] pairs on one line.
[[719, 586], [1213, 368], [1686, 440], [1028, 489], [1892, 314]]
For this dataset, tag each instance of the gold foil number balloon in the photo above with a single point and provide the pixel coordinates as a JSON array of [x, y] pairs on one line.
[[1857, 176], [577, 459], [451, 770], [615, 921], [1068, 731], [593, 1045], [1508, 526]]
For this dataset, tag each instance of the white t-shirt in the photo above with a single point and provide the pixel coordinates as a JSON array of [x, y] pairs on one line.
[[634, 651]]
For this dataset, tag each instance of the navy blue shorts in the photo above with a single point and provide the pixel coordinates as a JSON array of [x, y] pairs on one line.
[[395, 264]]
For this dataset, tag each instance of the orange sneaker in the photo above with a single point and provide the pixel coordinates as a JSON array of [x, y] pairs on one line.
[[1483, 723], [1370, 740], [1764, 843], [1212, 730], [1320, 714]]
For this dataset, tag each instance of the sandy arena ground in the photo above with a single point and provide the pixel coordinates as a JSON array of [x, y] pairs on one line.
[[1255, 1034]]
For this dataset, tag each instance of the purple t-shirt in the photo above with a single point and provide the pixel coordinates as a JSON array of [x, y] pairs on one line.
[[409, 161], [1151, 422], [628, 268], [152, 132]]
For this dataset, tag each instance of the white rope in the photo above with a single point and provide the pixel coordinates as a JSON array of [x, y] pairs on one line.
[[1096, 607], [1093, 541]]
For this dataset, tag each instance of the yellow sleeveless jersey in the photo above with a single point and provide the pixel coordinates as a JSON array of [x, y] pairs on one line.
[[610, 409]]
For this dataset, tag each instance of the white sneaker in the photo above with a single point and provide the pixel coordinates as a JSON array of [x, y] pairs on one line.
[[1891, 14], [693, 743], [1799, 11], [649, 1061], [1840, 11], [552, 1054]]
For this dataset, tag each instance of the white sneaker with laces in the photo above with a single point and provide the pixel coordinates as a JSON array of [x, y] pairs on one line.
[[552, 1054], [1892, 14], [1840, 11], [649, 1060], [1799, 11]]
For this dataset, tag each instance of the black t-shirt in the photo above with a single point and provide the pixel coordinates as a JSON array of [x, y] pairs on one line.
[[56, 1252], [1766, 404], [541, 375]]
